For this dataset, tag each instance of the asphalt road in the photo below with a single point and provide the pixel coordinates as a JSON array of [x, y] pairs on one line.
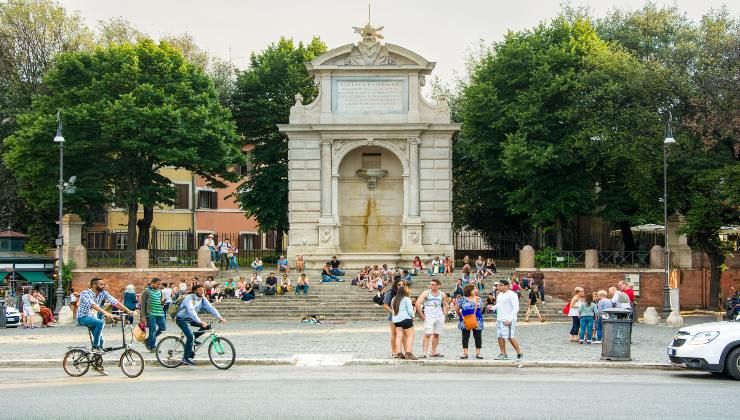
[[283, 392]]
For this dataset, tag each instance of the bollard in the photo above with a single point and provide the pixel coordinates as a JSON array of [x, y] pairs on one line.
[[3, 321]]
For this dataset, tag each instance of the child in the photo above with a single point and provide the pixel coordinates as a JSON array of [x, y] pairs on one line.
[[586, 312], [379, 283], [534, 299]]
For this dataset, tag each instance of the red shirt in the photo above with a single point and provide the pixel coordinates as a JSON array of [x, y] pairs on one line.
[[631, 294]]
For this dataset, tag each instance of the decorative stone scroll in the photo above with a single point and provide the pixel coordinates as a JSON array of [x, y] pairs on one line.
[[369, 51]]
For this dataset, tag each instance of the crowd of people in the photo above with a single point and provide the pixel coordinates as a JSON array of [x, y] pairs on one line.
[[586, 311]]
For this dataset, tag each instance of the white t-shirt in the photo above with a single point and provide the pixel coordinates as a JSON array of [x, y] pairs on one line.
[[167, 295], [507, 306], [183, 286], [209, 242]]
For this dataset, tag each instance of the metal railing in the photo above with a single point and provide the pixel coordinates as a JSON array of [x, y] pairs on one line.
[[173, 258], [550, 258], [624, 258], [110, 258]]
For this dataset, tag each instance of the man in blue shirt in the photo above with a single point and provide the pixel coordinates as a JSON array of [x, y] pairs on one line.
[[187, 315], [91, 301]]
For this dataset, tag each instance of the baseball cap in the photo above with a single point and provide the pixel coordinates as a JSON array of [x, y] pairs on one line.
[[504, 282]]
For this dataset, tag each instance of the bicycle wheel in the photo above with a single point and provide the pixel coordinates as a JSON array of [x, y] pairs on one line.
[[222, 353], [170, 352], [132, 363], [76, 362]]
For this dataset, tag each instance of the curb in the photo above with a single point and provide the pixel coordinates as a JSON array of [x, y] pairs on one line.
[[293, 361]]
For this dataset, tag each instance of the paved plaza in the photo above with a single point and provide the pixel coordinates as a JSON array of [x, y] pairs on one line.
[[356, 341]]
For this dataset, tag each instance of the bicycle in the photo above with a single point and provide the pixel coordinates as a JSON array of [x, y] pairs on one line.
[[77, 360], [170, 350]]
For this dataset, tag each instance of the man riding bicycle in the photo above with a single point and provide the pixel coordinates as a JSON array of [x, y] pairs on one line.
[[91, 301], [187, 314]]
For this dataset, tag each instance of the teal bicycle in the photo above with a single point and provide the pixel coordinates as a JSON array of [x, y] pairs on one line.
[[221, 353]]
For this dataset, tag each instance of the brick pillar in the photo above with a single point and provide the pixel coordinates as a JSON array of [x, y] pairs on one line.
[[592, 258], [657, 258], [142, 258], [526, 258]]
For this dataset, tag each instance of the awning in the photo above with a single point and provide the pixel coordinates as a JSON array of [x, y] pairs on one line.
[[36, 277]]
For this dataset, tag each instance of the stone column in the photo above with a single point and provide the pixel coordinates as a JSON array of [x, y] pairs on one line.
[[142, 258], [526, 258], [326, 177], [204, 257], [592, 258], [72, 231], [414, 176], [657, 258]]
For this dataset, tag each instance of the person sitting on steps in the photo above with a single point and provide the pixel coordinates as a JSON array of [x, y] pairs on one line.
[[271, 285], [327, 276]]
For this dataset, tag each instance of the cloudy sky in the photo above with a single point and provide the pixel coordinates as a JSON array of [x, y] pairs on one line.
[[439, 30]]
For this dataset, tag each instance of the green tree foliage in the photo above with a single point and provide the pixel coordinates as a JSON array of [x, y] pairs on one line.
[[31, 33], [128, 111], [264, 94]]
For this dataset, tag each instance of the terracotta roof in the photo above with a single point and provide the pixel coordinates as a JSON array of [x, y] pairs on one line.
[[12, 234]]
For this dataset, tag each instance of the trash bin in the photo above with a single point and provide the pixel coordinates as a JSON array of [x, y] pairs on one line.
[[3, 321], [615, 344]]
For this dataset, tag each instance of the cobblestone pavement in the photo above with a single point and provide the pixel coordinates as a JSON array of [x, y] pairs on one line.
[[360, 339]]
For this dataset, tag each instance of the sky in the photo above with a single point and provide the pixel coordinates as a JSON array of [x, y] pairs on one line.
[[439, 30]]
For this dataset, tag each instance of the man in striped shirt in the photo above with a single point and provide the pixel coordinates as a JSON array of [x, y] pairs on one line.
[[91, 301], [152, 310]]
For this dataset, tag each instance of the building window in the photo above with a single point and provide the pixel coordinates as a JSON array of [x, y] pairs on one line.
[[250, 241], [182, 196], [97, 240], [121, 240], [207, 199], [244, 170]]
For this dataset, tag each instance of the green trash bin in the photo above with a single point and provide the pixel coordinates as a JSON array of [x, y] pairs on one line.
[[617, 339]]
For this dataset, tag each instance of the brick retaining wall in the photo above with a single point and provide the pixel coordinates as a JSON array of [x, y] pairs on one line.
[[118, 278]]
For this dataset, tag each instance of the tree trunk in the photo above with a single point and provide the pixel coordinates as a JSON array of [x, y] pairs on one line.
[[716, 259], [133, 210], [144, 225], [279, 240], [558, 234], [627, 238]]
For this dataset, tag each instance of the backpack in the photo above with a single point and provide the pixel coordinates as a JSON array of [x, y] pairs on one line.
[[175, 306]]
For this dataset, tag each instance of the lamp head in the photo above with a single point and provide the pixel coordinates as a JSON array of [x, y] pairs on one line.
[[669, 140], [58, 138]]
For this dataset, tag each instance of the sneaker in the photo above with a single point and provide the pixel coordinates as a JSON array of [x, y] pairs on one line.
[[98, 350], [100, 370], [588, 341], [580, 341], [502, 357], [597, 341], [464, 356], [478, 356], [188, 362], [520, 357]]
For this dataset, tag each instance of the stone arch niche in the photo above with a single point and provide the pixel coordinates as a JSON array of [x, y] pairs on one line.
[[370, 201]]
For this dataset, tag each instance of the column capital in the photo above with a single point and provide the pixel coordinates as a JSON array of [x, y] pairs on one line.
[[414, 141], [327, 141]]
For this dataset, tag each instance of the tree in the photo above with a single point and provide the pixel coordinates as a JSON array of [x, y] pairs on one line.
[[31, 33], [128, 111], [263, 97], [118, 31]]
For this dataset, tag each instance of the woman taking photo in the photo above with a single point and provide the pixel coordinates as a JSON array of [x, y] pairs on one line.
[[575, 304], [469, 306], [403, 320], [387, 300]]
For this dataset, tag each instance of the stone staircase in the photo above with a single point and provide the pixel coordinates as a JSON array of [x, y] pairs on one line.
[[342, 301]]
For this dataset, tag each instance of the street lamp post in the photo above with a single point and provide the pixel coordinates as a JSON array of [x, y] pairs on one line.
[[60, 239], [669, 140]]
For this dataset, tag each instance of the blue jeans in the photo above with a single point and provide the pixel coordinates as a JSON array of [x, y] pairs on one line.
[[326, 278], [541, 290], [214, 254], [233, 263], [184, 324], [587, 325], [95, 325], [156, 326], [303, 288], [246, 297], [337, 272], [258, 269], [599, 328]]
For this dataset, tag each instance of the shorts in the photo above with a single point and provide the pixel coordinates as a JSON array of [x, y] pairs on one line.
[[505, 331], [28, 310], [405, 324], [434, 325]]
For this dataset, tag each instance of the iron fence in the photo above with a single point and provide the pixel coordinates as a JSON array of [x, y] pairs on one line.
[[173, 258], [110, 258], [502, 247], [624, 258], [552, 258]]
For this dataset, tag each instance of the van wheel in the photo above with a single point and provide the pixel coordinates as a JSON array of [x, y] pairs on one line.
[[733, 363]]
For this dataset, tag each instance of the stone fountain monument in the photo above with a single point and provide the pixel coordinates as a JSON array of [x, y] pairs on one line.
[[370, 159]]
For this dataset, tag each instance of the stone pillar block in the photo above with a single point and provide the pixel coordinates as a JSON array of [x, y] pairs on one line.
[[526, 258], [142, 258], [657, 257], [72, 231], [204, 257], [78, 255], [592, 258], [674, 320], [65, 317], [650, 316]]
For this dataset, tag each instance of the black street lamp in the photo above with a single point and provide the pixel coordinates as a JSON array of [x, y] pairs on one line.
[[669, 140], [60, 239]]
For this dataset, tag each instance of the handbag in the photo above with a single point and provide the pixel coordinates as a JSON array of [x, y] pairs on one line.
[[140, 333], [470, 321], [35, 307], [566, 309]]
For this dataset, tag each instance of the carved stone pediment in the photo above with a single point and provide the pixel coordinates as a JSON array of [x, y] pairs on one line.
[[370, 50]]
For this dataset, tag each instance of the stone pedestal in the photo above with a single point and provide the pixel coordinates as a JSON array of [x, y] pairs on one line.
[[650, 316], [591, 258], [65, 317], [72, 231], [678, 244], [526, 258], [142, 258], [657, 257], [204, 257]]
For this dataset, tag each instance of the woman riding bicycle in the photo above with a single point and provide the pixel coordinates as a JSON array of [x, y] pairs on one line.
[[187, 315]]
